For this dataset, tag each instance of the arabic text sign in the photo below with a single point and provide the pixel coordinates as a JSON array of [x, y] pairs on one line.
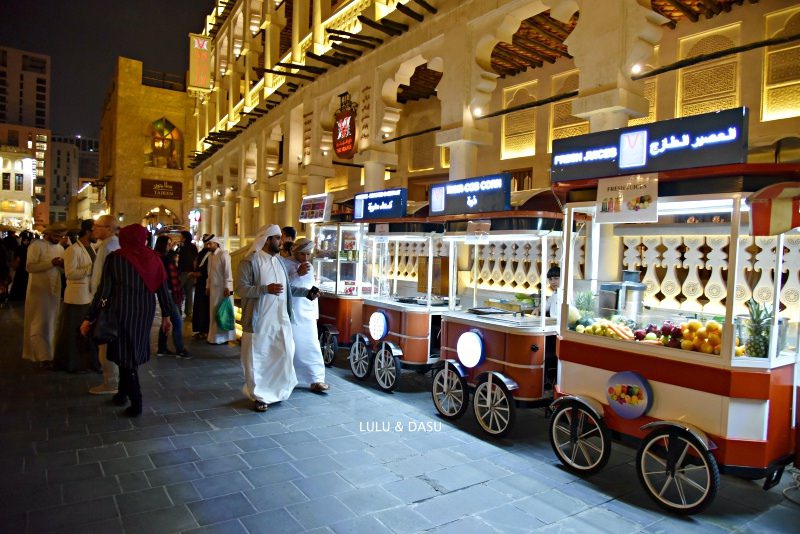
[[717, 138], [474, 195], [627, 199], [199, 62], [344, 133], [162, 189], [316, 208], [386, 204]]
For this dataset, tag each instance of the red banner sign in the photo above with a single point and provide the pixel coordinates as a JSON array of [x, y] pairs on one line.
[[344, 133]]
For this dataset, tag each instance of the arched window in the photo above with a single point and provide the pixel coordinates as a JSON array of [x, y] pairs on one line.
[[164, 145]]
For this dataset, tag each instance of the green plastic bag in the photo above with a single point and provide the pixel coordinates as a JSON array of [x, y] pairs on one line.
[[224, 315]]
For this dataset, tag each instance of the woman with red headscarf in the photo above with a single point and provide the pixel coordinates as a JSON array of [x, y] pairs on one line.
[[130, 277]]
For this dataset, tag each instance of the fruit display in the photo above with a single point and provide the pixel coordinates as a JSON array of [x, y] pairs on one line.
[[693, 335], [626, 394], [758, 326], [639, 202]]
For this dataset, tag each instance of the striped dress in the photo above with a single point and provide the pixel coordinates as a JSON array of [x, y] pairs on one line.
[[135, 308]]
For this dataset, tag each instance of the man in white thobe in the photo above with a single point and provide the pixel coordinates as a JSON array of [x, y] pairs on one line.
[[219, 286], [267, 341], [45, 264], [105, 231], [308, 362]]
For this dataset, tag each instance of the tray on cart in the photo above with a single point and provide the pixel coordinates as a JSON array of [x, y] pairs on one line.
[[487, 311]]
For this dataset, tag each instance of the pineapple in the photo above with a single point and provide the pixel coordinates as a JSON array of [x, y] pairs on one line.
[[757, 344], [585, 302]]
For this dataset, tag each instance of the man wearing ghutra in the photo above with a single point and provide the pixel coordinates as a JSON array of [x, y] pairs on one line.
[[267, 342], [308, 362], [219, 286]]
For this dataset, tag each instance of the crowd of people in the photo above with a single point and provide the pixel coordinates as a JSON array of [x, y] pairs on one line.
[[68, 280]]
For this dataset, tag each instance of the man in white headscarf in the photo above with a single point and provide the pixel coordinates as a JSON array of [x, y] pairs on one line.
[[308, 363], [219, 286], [45, 264], [267, 341]]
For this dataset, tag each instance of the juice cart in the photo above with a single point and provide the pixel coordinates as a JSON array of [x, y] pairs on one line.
[[403, 317], [338, 257], [688, 337], [496, 347]]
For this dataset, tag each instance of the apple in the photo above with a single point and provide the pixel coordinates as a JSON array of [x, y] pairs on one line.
[[676, 332], [666, 328], [639, 334], [651, 328], [650, 336]]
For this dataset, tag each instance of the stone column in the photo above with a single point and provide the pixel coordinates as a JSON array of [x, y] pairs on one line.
[[375, 163], [620, 35], [229, 221], [246, 202], [294, 197], [463, 144], [318, 32]]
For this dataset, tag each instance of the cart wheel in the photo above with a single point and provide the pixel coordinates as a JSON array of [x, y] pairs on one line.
[[580, 440], [329, 344], [494, 408], [387, 368], [450, 393], [360, 359], [678, 473]]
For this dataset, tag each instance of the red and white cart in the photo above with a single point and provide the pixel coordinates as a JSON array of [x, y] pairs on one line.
[[699, 368]]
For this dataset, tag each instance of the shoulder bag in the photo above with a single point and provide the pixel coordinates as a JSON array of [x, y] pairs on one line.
[[106, 328]]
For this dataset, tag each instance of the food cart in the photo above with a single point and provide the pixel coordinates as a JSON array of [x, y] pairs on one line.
[[687, 340], [496, 346], [338, 258], [402, 317]]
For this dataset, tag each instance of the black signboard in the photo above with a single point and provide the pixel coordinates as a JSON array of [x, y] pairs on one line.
[[386, 204], [718, 138], [474, 195]]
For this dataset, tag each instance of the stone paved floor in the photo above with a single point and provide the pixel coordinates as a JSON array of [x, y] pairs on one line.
[[200, 460]]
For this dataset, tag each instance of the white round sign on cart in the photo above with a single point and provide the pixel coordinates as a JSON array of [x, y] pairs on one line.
[[470, 349], [378, 325]]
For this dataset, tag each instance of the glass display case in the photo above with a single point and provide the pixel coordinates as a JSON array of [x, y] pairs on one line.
[[695, 281], [339, 257]]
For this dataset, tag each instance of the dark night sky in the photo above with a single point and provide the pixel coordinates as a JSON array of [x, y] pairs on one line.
[[83, 39]]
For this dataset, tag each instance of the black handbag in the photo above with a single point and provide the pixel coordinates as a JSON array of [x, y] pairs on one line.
[[106, 328]]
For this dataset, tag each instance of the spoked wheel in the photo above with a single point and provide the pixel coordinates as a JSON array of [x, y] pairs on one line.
[[581, 441], [387, 368], [329, 344], [450, 393], [494, 408], [360, 359], [678, 473]]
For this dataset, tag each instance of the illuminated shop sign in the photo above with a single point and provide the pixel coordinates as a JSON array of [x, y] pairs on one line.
[[475, 195], [717, 138], [390, 203], [344, 127], [316, 208], [199, 62], [162, 189]]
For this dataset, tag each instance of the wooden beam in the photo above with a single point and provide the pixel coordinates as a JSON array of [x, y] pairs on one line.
[[325, 59], [557, 24], [426, 5], [288, 74], [309, 68], [510, 58], [378, 26], [686, 10], [535, 26], [353, 41], [344, 57], [346, 50], [375, 40], [407, 11], [555, 51], [516, 42], [399, 26]]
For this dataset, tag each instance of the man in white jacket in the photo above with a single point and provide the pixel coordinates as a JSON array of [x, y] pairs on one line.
[[74, 352], [219, 286]]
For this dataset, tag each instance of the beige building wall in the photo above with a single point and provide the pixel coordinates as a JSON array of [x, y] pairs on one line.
[[126, 146]]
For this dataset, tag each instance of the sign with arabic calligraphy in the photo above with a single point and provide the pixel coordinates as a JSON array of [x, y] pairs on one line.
[[386, 204], [474, 195], [162, 189], [627, 199], [717, 138]]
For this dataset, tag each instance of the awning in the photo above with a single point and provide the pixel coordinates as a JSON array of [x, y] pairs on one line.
[[775, 209]]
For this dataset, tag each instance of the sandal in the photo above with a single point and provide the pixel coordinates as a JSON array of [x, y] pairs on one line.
[[260, 406]]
